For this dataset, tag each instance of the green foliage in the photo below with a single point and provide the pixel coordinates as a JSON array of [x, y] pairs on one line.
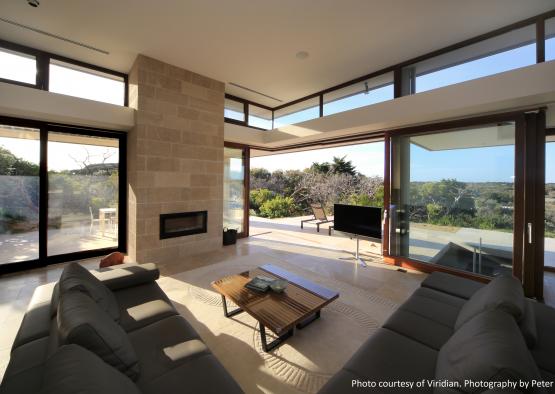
[[259, 196], [338, 166], [321, 168], [342, 166], [368, 201], [278, 207], [13, 165]]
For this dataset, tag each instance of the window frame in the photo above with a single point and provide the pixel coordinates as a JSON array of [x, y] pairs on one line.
[[43, 60], [403, 86], [44, 259]]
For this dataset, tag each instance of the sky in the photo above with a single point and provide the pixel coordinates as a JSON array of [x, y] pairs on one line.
[[367, 158], [61, 156]]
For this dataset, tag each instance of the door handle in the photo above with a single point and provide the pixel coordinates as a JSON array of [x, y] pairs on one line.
[[529, 233]]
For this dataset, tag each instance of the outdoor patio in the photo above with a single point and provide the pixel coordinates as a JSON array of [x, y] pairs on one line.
[[426, 241], [25, 246]]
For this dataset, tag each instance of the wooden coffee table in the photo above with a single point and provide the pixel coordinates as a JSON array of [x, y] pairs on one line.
[[298, 306]]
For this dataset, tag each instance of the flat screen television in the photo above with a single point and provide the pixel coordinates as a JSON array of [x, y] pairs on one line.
[[358, 220]]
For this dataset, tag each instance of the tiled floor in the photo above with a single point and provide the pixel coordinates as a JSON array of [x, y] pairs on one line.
[[329, 256]]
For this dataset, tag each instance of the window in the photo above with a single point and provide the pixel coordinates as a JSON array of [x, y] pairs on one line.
[[18, 67], [19, 194], [360, 94], [260, 117], [501, 53], [450, 214], [296, 113], [83, 194], [549, 242], [86, 83], [550, 39], [234, 110], [234, 189]]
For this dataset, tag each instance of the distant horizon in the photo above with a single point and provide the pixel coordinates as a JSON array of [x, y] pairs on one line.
[[368, 160]]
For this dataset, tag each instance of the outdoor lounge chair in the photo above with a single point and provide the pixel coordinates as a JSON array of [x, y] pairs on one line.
[[320, 215]]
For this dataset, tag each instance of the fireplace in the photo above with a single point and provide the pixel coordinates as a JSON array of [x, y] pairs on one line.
[[183, 223]]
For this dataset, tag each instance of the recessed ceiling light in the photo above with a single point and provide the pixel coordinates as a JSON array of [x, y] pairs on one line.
[[33, 3], [301, 55]]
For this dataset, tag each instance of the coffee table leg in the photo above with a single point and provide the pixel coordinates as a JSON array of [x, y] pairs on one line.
[[232, 313], [276, 342], [308, 320]]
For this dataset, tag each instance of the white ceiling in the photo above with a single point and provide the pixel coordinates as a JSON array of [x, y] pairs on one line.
[[253, 43]]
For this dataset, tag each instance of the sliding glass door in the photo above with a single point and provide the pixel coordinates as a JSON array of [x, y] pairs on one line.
[[19, 193], [453, 198], [236, 188], [83, 184], [549, 242], [62, 193]]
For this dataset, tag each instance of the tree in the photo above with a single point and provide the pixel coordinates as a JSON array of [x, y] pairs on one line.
[[338, 166], [320, 168], [259, 178], [10, 164], [342, 166]]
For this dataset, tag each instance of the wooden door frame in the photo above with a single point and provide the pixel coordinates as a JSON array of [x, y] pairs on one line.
[[246, 185], [548, 132], [519, 219]]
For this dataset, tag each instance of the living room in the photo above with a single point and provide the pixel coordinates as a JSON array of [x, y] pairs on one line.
[[277, 197]]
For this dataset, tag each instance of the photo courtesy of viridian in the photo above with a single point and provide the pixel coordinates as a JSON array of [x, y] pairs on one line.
[[444, 383]]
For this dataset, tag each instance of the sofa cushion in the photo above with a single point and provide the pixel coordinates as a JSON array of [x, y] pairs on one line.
[[383, 356], [545, 343], [434, 305], [81, 321], [488, 348], [142, 305], [451, 284], [419, 328], [36, 321], [165, 345], [73, 369], [202, 374], [76, 277], [502, 293], [127, 275], [528, 324]]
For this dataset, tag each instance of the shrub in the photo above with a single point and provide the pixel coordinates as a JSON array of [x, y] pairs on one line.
[[259, 196], [278, 207]]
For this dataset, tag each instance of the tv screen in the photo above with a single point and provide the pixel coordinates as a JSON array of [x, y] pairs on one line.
[[359, 220]]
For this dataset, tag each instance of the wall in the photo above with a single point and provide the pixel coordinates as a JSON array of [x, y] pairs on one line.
[[175, 158], [28, 103]]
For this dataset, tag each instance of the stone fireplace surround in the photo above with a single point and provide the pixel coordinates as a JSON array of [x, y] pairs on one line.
[[174, 158]]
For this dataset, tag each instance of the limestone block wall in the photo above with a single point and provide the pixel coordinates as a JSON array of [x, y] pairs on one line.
[[175, 158]]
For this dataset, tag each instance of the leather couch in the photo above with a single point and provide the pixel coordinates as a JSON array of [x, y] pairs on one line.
[[452, 329], [111, 330]]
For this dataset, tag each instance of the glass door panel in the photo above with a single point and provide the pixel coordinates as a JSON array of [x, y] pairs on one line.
[[549, 251], [234, 189], [452, 198], [19, 194], [83, 196]]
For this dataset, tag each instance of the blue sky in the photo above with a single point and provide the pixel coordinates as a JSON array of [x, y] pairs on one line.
[[478, 164], [367, 158]]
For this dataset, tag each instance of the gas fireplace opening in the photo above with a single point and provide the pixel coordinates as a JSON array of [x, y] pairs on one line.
[[182, 223]]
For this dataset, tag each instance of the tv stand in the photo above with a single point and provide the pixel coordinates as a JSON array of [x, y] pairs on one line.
[[357, 257]]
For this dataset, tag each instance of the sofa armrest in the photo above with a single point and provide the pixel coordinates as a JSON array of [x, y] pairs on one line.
[[452, 285], [127, 275]]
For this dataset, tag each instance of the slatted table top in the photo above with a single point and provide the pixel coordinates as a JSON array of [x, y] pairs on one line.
[[277, 311]]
